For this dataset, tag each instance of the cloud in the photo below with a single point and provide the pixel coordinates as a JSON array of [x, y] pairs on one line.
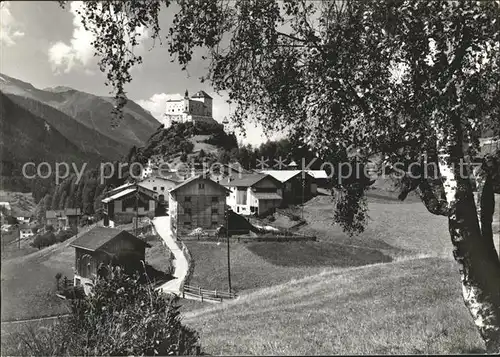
[[78, 53], [9, 27], [157, 103]]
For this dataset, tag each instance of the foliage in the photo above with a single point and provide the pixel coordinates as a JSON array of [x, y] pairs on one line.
[[398, 79], [122, 316], [44, 240]]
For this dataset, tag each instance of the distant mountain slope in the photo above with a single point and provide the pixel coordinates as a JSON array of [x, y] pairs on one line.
[[26, 137], [92, 111], [88, 140]]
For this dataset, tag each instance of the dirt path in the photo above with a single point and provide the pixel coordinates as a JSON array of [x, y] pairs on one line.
[[162, 226]]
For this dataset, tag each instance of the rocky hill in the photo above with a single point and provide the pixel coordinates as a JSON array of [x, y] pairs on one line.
[[184, 142]]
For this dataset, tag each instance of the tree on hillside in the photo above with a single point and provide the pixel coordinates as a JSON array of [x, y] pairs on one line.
[[408, 81]]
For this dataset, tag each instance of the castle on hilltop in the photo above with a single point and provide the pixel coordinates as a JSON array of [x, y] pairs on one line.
[[197, 108]]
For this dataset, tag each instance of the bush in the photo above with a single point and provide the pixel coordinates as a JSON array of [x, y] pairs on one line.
[[121, 317], [44, 240], [271, 218], [294, 217], [64, 235]]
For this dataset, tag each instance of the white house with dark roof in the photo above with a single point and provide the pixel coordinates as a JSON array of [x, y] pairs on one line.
[[253, 194]]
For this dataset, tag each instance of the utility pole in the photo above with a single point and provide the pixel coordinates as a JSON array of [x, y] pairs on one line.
[[303, 189], [136, 207], [228, 256]]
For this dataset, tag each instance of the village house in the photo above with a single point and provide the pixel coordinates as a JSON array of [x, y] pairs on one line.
[[26, 230], [63, 219], [121, 207], [160, 185], [297, 186], [254, 194], [21, 215], [57, 219], [101, 247], [221, 172], [197, 202]]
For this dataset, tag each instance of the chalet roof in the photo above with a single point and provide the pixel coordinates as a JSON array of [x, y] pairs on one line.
[[267, 196], [203, 176], [201, 94], [98, 236], [19, 212], [282, 175], [245, 180], [122, 187], [119, 195], [318, 174]]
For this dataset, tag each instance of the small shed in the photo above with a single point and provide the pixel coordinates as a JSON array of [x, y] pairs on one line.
[[101, 247]]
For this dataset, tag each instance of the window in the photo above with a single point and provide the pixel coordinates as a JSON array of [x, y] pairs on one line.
[[215, 211], [154, 188], [187, 223], [163, 188], [77, 282], [187, 199], [215, 223], [238, 209], [187, 210], [215, 199], [201, 186]]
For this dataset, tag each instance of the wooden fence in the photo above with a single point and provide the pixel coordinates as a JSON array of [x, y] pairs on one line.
[[206, 295]]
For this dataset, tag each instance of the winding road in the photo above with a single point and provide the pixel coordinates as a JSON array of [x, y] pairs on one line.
[[162, 226]]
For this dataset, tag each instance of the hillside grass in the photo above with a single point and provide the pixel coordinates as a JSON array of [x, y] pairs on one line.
[[261, 264], [405, 307], [28, 282]]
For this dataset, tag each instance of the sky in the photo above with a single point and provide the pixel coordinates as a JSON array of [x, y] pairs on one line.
[[47, 46]]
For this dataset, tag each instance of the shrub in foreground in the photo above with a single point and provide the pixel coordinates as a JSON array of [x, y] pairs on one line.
[[121, 317]]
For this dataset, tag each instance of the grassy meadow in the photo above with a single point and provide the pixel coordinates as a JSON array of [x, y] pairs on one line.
[[404, 307]]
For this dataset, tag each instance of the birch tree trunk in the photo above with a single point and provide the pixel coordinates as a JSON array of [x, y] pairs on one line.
[[475, 253]]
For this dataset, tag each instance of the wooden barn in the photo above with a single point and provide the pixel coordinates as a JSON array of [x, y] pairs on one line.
[[101, 247], [197, 202]]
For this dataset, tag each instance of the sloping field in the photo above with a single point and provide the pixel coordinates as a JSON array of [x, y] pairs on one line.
[[405, 307], [29, 285]]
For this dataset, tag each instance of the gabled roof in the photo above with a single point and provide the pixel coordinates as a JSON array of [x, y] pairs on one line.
[[119, 195], [201, 94], [99, 236], [122, 187], [318, 174], [27, 226], [245, 180], [203, 176], [282, 175]]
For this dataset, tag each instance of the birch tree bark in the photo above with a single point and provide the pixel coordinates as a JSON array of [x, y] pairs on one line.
[[472, 249]]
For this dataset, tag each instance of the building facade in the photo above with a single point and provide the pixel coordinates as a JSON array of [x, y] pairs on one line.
[[197, 108], [133, 201], [297, 186], [254, 194], [101, 247], [197, 202], [26, 231]]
